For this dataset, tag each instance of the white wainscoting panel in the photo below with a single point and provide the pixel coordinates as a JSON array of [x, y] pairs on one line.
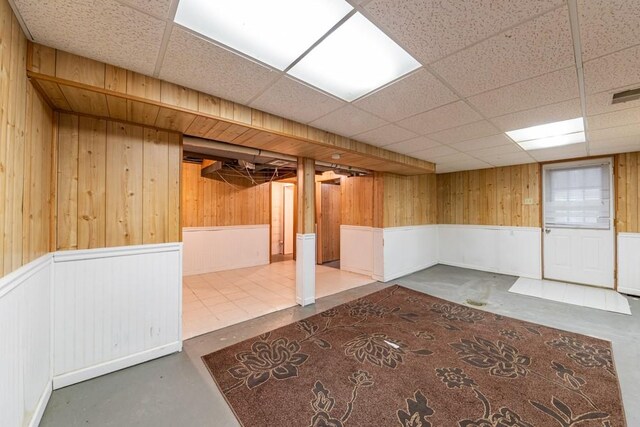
[[114, 308], [209, 249], [629, 263], [25, 343], [507, 250], [305, 268], [409, 249], [356, 249]]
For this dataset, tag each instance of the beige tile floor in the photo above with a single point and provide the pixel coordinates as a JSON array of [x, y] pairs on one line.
[[215, 300]]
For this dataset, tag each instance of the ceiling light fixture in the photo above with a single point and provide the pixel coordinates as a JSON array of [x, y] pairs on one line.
[[550, 135], [354, 60], [276, 33]]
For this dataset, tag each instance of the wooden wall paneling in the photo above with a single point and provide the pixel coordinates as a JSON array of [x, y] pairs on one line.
[[89, 87], [67, 195], [319, 224], [516, 196], [143, 87], [37, 203], [621, 192], [92, 170], [490, 196], [80, 69], [190, 172], [125, 182], [357, 200], [407, 200], [41, 59], [632, 163], [155, 189], [306, 195], [330, 219]]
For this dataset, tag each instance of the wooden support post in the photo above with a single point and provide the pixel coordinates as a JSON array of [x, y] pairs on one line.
[[306, 237]]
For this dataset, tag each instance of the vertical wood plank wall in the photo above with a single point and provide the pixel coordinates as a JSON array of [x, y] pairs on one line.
[[328, 220], [117, 185], [26, 138], [357, 200], [409, 200], [209, 202], [627, 180], [493, 196]]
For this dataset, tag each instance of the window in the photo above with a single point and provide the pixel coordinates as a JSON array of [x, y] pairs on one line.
[[578, 196]]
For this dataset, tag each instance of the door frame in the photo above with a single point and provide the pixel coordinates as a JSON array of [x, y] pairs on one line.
[[559, 164]]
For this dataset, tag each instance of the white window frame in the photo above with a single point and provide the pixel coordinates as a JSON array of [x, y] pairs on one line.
[[580, 163]]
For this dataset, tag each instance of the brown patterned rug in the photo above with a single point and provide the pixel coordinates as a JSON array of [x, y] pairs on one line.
[[402, 358]]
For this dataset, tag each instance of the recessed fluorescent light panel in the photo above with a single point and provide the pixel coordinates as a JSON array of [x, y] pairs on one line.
[[354, 60], [550, 135], [274, 32]]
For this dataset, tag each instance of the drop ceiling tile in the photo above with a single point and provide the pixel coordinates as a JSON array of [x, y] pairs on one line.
[[607, 26], [199, 64], [483, 143], [465, 132], [613, 71], [564, 110], [632, 130], [348, 121], [433, 153], [507, 159], [441, 118], [462, 165], [157, 8], [615, 145], [418, 92], [536, 47], [412, 145], [432, 29], [296, 101], [616, 118], [102, 30], [559, 153], [599, 103], [543, 90], [385, 135], [486, 154]]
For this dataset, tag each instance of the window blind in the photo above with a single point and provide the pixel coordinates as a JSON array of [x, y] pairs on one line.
[[578, 197]]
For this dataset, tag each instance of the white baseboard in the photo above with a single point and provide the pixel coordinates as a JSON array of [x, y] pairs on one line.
[[115, 365], [408, 271], [42, 405], [628, 291]]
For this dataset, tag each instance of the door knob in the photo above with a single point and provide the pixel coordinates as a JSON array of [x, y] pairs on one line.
[[547, 230]]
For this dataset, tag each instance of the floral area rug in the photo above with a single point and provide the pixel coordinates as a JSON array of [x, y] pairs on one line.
[[398, 357]]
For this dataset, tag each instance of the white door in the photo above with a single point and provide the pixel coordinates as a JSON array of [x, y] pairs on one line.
[[578, 222], [288, 218]]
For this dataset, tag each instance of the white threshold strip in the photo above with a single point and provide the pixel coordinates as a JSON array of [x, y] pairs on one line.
[[569, 293]]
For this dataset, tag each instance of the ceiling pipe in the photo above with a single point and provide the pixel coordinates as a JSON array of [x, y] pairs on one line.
[[202, 143]]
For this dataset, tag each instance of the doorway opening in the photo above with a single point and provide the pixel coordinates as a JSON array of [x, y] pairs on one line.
[[282, 221], [239, 208]]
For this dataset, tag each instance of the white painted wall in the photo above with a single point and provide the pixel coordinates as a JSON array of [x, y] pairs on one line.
[[388, 253], [356, 249], [277, 218], [25, 343], [114, 308], [209, 249], [629, 263], [74, 315], [305, 268], [409, 249], [507, 250], [288, 218]]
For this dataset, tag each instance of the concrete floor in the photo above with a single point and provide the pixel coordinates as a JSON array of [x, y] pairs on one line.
[[177, 390]]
